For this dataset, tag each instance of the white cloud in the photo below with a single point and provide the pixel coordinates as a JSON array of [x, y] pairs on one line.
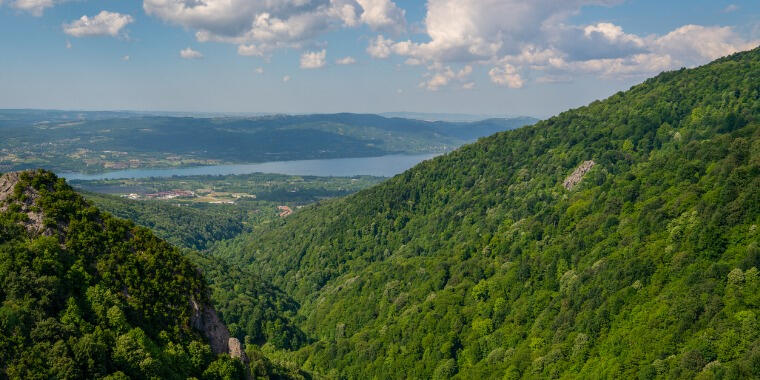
[[189, 53], [250, 50], [126, 58], [313, 59], [259, 70], [514, 37], [35, 7], [468, 86], [68, 44], [601, 40], [271, 24], [380, 47], [382, 14], [346, 61], [506, 75], [731, 8], [286, 79], [441, 76], [694, 44], [103, 24]]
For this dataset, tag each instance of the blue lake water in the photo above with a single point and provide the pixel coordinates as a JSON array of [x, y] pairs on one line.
[[383, 166]]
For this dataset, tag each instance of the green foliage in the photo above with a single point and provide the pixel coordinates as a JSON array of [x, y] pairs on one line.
[[253, 310], [480, 264], [92, 296], [193, 223], [186, 227]]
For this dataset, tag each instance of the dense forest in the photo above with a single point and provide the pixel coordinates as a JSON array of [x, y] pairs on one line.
[[490, 262], [616, 240], [188, 227], [87, 295]]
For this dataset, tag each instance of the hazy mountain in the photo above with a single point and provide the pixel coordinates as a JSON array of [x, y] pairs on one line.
[[99, 141]]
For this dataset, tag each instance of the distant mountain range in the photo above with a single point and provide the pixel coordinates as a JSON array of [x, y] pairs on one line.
[[451, 117], [97, 141]]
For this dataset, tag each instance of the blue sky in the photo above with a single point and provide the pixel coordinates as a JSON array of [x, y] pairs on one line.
[[506, 57]]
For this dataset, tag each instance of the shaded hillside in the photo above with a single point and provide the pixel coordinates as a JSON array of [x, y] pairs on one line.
[[86, 295], [481, 264]]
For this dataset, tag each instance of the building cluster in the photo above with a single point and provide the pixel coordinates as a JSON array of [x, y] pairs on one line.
[[171, 194]]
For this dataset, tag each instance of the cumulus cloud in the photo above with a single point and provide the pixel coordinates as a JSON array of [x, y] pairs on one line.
[[260, 27], [382, 14], [286, 79], [189, 53], [35, 7], [346, 61], [731, 8], [250, 50], [514, 38], [259, 70], [313, 59], [103, 24], [380, 47], [691, 44], [506, 75], [441, 76]]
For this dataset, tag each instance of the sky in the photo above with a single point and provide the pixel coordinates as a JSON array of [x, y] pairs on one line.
[[496, 57]]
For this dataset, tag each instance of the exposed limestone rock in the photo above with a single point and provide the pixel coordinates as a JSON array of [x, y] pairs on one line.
[[35, 222], [235, 348], [7, 182], [205, 320], [577, 175]]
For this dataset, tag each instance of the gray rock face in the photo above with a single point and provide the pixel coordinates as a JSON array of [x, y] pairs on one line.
[[34, 223], [577, 175], [205, 320]]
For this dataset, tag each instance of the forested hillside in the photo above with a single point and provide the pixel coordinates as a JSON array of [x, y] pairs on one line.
[[187, 227], [86, 295], [482, 264]]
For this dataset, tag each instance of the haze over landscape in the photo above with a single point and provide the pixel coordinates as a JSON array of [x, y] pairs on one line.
[[356, 189], [497, 57]]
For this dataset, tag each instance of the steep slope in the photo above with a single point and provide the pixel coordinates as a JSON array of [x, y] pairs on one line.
[[86, 295], [617, 240]]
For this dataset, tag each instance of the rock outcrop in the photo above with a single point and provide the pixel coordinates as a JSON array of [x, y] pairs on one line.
[[34, 222], [577, 176], [205, 320]]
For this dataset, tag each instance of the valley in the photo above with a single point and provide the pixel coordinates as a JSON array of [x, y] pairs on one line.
[[379, 189]]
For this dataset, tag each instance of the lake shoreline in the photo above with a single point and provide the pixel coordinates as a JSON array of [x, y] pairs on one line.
[[380, 166]]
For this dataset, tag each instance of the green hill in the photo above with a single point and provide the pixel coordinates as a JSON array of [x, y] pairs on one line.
[[86, 295], [482, 263]]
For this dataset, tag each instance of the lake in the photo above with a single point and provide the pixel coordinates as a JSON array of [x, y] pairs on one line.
[[382, 166]]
